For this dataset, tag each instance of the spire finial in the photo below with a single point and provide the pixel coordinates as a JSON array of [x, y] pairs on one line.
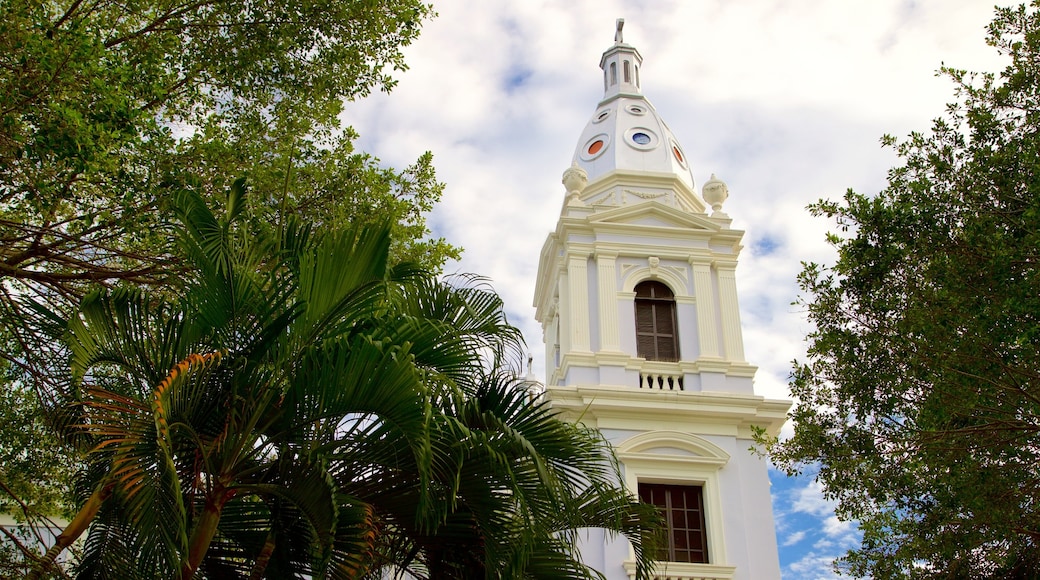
[[618, 37]]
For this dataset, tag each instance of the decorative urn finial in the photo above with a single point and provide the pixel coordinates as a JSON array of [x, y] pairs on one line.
[[575, 179], [715, 193]]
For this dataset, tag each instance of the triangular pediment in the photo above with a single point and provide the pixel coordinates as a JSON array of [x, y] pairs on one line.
[[654, 214]]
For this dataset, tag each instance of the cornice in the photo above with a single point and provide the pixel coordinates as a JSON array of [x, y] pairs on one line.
[[686, 226], [663, 180], [601, 406], [702, 365]]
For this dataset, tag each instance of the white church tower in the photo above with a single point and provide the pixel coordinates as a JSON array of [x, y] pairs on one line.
[[637, 298]]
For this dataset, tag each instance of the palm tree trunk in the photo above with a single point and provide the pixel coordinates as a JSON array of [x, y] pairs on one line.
[[74, 530], [263, 558], [205, 529]]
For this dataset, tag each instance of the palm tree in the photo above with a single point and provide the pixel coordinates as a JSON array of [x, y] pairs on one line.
[[303, 408], [514, 487]]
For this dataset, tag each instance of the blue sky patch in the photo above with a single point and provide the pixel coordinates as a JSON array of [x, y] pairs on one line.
[[808, 534], [765, 246], [517, 78]]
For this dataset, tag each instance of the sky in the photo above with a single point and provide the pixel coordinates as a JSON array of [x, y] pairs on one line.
[[784, 100]]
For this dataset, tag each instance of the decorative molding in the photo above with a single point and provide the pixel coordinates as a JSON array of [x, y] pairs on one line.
[[672, 277], [688, 223], [715, 413], [645, 194], [678, 271], [607, 198], [703, 451], [685, 205]]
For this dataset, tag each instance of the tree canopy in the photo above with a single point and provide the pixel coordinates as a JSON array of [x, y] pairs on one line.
[[109, 108], [919, 404]]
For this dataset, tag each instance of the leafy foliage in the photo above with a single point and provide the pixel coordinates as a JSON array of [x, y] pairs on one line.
[[108, 109], [108, 104], [304, 407], [920, 402]]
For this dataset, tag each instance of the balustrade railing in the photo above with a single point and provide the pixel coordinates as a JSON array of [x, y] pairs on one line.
[[661, 381], [678, 571]]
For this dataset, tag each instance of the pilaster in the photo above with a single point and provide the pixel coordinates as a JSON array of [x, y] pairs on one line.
[[609, 334], [702, 288], [578, 298], [731, 334]]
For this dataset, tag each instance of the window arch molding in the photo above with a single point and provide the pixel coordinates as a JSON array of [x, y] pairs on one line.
[[696, 449], [674, 282]]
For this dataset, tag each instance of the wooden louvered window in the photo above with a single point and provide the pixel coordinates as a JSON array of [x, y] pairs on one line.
[[656, 334], [682, 507]]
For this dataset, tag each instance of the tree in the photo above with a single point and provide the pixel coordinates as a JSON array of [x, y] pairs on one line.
[[920, 401], [104, 104], [108, 109], [305, 408]]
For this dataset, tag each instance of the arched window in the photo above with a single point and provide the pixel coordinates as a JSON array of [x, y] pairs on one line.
[[628, 72], [656, 334], [613, 73]]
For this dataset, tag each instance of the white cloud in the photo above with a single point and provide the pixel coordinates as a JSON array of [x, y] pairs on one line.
[[843, 532], [810, 500], [793, 539], [811, 566]]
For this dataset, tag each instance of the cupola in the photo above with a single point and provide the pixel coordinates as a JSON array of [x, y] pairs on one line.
[[625, 133]]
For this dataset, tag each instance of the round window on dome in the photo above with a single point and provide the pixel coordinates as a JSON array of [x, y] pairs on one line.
[[636, 109], [595, 146], [601, 115], [642, 138], [678, 155]]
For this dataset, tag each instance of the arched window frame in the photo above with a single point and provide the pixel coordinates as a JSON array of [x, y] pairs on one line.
[[672, 457]]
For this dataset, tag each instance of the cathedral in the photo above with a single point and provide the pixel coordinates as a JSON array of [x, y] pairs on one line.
[[637, 298]]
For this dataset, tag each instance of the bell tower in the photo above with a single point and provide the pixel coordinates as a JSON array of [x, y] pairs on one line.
[[637, 297]]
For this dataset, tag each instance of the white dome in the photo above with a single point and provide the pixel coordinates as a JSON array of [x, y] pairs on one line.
[[626, 133]]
